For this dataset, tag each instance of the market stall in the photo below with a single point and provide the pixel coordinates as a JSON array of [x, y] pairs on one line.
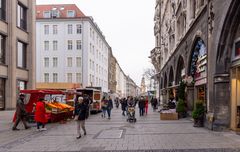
[[56, 110]]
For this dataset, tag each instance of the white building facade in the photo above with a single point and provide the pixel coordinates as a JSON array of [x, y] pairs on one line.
[[70, 47]]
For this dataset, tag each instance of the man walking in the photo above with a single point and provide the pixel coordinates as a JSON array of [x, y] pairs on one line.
[[20, 113], [141, 105], [109, 107]]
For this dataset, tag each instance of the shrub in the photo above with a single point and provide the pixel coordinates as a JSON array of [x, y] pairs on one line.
[[198, 112], [180, 106]]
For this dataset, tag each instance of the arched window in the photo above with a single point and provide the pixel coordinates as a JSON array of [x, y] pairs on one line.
[[198, 65], [180, 70]]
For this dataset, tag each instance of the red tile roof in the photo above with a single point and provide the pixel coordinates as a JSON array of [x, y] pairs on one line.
[[62, 8]]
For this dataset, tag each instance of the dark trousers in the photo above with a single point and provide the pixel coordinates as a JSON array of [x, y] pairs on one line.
[[109, 112], [141, 111], [40, 124], [20, 118]]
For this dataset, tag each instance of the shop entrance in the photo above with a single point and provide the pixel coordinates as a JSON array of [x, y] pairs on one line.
[[201, 94], [2, 94], [235, 98]]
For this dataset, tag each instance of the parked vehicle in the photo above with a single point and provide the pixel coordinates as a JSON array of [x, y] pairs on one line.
[[95, 95]]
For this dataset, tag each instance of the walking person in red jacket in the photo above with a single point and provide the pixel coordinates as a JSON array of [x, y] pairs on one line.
[[146, 105], [40, 115]]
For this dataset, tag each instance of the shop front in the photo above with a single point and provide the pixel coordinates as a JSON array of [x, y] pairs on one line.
[[235, 88], [198, 73]]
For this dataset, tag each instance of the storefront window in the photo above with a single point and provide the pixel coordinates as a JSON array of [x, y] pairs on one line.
[[21, 85], [198, 66], [237, 49], [2, 93]]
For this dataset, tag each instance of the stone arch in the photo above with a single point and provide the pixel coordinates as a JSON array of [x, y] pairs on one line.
[[165, 80], [179, 70], [171, 77], [230, 27]]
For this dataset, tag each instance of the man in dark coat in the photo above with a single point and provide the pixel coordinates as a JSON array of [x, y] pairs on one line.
[[20, 113], [81, 112], [141, 105], [124, 105], [109, 107]]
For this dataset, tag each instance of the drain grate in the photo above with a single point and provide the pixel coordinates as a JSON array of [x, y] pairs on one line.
[[110, 134]]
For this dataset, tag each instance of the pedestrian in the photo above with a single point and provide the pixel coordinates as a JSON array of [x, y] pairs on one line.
[[21, 113], [40, 113], [80, 115], [146, 106], [154, 103], [109, 107], [87, 101], [123, 105], [104, 107], [141, 105]]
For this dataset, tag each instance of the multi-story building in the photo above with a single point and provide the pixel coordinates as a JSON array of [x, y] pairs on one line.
[[112, 83], [71, 49], [198, 41], [17, 49]]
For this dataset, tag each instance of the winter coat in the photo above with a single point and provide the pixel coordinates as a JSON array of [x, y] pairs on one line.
[[40, 112], [141, 103], [110, 104], [123, 104], [20, 108], [82, 111]]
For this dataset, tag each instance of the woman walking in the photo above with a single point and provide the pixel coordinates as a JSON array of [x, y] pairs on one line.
[[104, 107], [80, 116], [109, 107], [40, 113]]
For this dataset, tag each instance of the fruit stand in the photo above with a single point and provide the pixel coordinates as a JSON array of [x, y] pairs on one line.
[[55, 110]]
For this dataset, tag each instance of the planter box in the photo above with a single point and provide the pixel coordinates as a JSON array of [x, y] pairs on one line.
[[168, 116]]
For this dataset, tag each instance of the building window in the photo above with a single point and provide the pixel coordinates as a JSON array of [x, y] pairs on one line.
[[237, 49], [55, 77], [2, 49], [46, 62], [78, 77], [55, 45], [46, 77], [69, 77], [69, 61], [46, 45], [21, 55], [55, 12], [46, 14], [3, 9], [79, 28], [78, 61], [22, 16], [69, 44], [71, 13], [46, 29], [55, 29], [69, 29], [79, 44], [2, 93], [55, 62]]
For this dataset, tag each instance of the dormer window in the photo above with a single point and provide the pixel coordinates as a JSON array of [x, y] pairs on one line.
[[55, 13], [70, 13], [46, 14]]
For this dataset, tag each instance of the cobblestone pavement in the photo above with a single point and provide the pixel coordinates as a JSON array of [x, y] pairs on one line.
[[148, 134]]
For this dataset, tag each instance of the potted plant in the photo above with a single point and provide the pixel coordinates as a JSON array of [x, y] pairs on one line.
[[181, 105], [198, 114], [181, 109]]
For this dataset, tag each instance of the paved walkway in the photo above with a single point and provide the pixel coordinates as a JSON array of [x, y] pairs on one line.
[[148, 134]]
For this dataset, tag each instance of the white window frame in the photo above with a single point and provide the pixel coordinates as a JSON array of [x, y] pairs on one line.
[[55, 29], [55, 45], [46, 77], [55, 61], [69, 61], [46, 29], [46, 62], [69, 13], [69, 77], [78, 61], [55, 77], [70, 29], [70, 44], [78, 44], [79, 28]]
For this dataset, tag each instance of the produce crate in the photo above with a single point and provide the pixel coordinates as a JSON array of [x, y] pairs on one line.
[[168, 116]]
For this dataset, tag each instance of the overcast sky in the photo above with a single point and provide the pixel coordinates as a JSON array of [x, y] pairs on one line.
[[127, 26]]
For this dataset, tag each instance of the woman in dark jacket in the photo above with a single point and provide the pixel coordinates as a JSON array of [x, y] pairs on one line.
[[80, 116]]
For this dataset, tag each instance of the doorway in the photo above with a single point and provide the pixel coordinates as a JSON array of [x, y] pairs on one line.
[[235, 98]]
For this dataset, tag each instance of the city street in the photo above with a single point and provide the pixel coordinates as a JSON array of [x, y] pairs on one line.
[[149, 133]]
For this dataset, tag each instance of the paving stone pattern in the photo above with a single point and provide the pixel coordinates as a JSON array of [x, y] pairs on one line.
[[148, 134]]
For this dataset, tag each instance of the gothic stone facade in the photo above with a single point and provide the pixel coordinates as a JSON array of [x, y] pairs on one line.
[[198, 41]]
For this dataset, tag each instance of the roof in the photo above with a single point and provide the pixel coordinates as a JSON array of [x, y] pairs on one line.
[[61, 8]]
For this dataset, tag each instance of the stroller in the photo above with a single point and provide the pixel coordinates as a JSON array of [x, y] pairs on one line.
[[131, 113]]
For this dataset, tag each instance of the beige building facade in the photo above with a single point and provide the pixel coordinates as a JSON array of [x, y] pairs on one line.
[[17, 54]]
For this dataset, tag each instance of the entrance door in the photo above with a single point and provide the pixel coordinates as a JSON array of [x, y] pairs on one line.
[[2, 93], [235, 98]]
